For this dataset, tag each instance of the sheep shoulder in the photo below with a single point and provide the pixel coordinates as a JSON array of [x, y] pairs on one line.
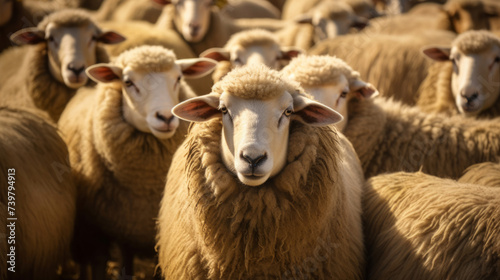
[[434, 94]]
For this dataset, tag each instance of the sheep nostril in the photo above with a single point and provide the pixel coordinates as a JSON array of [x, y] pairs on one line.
[[77, 71], [164, 119], [253, 162]]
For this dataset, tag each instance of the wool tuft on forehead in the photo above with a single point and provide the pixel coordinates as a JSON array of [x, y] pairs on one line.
[[476, 41], [67, 18], [147, 59], [256, 82]]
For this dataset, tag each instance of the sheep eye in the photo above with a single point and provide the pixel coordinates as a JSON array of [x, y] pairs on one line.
[[128, 83], [223, 110], [497, 59], [51, 38], [288, 112], [179, 79], [343, 94], [238, 60]]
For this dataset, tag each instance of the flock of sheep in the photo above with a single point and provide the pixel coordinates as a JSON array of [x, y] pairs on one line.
[[250, 139]]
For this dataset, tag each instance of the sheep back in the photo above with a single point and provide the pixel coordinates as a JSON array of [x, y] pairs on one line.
[[44, 190], [213, 227], [423, 227], [486, 174]]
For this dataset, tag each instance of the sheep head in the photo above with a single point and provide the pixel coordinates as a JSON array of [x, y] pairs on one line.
[[253, 46], [71, 38], [257, 106], [150, 78], [191, 17], [467, 15], [330, 81], [331, 19], [475, 81]]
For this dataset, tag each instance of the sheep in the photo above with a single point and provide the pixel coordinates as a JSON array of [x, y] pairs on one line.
[[296, 8], [129, 10], [250, 9], [203, 28], [143, 33], [121, 138], [64, 43], [247, 47], [246, 213], [393, 64], [36, 159], [456, 15], [328, 19], [423, 227], [330, 81], [486, 174], [467, 78], [389, 136]]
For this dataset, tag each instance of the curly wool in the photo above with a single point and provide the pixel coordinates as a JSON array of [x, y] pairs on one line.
[[476, 41], [316, 70], [390, 137], [251, 37], [485, 174], [239, 232], [147, 59], [424, 227], [261, 82], [67, 18]]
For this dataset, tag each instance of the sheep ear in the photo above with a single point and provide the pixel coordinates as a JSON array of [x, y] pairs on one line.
[[218, 54], [28, 36], [104, 73], [304, 19], [198, 109], [363, 90], [111, 37], [438, 53], [314, 113], [287, 53], [196, 67]]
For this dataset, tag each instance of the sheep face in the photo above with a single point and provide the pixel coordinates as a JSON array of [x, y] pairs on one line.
[[255, 131], [192, 18], [270, 55], [337, 95], [6, 8], [150, 96], [471, 16], [70, 49], [475, 80], [331, 19]]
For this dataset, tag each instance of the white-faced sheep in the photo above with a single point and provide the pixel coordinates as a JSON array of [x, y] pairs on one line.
[[250, 47], [296, 8], [65, 43], [34, 158], [326, 20], [467, 79], [423, 227], [202, 25], [121, 137], [485, 174], [330, 81], [258, 190], [250, 9], [393, 64]]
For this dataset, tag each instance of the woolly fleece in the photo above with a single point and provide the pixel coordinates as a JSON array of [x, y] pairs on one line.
[[390, 137], [45, 192], [423, 227], [486, 174]]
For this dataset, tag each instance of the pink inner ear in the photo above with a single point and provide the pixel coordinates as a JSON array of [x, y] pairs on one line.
[[436, 54], [216, 56], [290, 54], [111, 38], [104, 73], [200, 109], [198, 67], [313, 114], [28, 38]]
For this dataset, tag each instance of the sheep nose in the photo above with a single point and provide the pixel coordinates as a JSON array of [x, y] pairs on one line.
[[470, 97], [195, 28], [163, 118], [75, 70], [255, 161]]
